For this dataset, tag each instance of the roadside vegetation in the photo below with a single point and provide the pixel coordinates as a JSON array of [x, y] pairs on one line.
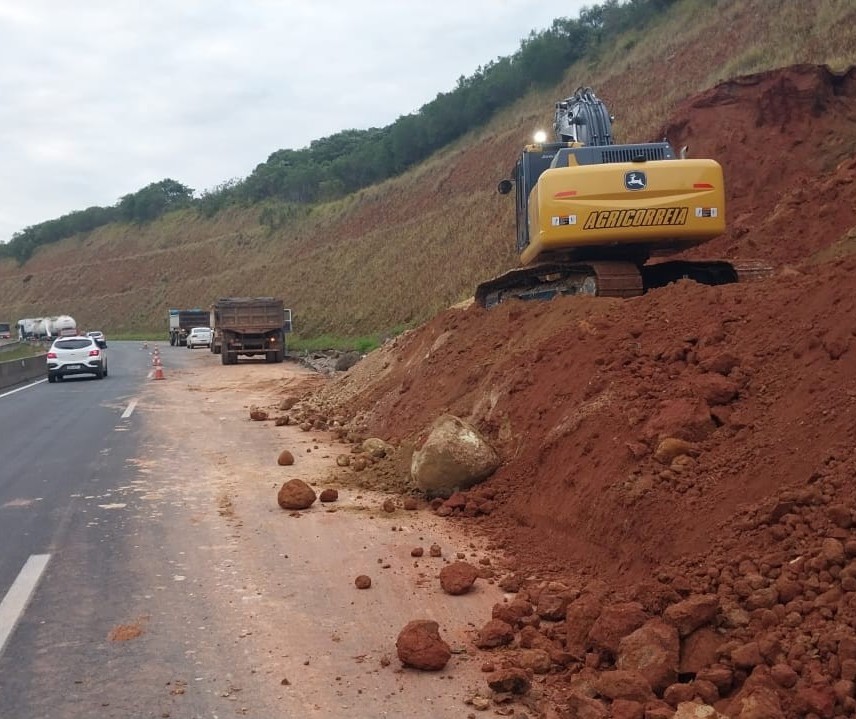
[[362, 344], [21, 351], [358, 263]]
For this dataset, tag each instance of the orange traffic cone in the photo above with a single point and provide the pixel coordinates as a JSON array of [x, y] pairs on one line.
[[156, 361], [158, 373]]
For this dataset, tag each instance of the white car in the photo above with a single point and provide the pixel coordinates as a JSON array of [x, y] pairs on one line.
[[76, 355], [99, 337], [199, 337]]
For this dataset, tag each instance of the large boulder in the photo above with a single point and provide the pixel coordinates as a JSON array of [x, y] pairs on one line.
[[419, 646], [580, 616], [653, 650], [699, 650], [615, 622], [758, 698], [455, 456], [623, 684], [692, 613]]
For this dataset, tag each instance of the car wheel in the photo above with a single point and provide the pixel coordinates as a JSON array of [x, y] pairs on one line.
[[105, 371], [99, 373], [51, 378]]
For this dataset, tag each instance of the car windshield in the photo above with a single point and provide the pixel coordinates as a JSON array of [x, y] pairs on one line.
[[76, 343], [200, 330]]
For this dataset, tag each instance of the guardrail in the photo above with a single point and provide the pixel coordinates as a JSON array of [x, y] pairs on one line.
[[14, 372]]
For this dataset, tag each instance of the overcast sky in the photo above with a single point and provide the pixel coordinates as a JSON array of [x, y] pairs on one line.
[[99, 98]]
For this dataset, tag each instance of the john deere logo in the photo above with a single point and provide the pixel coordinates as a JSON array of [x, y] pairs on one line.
[[635, 180]]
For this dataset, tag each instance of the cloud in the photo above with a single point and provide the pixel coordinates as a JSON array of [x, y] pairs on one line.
[[102, 98]]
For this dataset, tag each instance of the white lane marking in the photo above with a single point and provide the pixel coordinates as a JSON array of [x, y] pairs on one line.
[[18, 596], [26, 386], [130, 410]]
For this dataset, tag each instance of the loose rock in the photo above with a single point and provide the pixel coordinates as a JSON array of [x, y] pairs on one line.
[[296, 494], [285, 459], [419, 646]]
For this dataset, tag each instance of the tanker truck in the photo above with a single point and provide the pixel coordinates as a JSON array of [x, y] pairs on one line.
[[41, 328], [63, 326]]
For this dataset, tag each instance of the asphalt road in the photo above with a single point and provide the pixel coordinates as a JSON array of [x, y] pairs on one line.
[[147, 571], [63, 454]]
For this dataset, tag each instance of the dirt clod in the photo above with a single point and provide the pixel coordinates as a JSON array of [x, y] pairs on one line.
[[329, 495], [363, 581]]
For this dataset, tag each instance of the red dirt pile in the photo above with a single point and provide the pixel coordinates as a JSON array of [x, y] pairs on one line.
[[678, 469]]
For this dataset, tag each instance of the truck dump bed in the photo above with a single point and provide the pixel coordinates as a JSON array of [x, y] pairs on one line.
[[245, 314], [188, 319]]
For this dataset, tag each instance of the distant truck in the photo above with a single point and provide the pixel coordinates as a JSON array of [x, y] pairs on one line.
[[249, 326], [40, 328], [63, 326], [182, 321]]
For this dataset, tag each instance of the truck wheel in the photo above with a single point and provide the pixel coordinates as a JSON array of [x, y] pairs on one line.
[[224, 358], [172, 340], [280, 355]]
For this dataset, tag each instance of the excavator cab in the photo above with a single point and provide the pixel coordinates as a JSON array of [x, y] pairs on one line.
[[531, 164]]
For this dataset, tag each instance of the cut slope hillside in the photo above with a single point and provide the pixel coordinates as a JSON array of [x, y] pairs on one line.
[[428, 237], [744, 537], [787, 144]]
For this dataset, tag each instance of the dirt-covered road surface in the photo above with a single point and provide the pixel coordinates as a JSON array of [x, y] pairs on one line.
[[252, 610]]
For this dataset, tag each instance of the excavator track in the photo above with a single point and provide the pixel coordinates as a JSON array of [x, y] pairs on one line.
[[611, 278], [705, 272], [550, 279], [752, 270]]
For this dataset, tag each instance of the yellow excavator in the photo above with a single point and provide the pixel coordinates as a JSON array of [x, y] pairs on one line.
[[592, 214]]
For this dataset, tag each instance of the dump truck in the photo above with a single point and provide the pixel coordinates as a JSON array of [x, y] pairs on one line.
[[182, 321], [249, 326]]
